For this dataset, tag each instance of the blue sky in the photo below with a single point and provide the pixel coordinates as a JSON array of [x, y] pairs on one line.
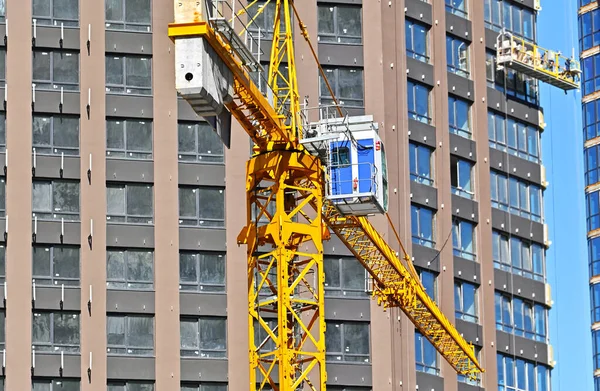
[[565, 210]]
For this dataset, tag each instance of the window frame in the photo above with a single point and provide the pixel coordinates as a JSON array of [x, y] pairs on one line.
[[459, 301], [454, 112], [455, 61], [415, 152], [112, 384], [457, 165], [463, 11], [458, 229], [51, 84], [125, 87], [109, 22], [334, 83], [419, 238], [343, 356], [411, 40], [53, 346], [55, 384], [141, 351], [413, 91], [53, 20], [423, 346], [52, 279], [126, 153], [202, 352], [343, 290], [67, 216], [495, 19], [52, 149], [200, 157], [500, 135], [196, 386], [126, 216], [199, 285], [358, 40], [502, 254], [217, 223], [125, 283]]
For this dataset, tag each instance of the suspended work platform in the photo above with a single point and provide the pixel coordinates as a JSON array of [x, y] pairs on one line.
[[542, 64]]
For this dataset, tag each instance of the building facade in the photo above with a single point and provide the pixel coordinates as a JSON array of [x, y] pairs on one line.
[[141, 204], [589, 27]]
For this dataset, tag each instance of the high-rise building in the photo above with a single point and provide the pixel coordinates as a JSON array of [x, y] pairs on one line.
[[589, 39], [120, 209]]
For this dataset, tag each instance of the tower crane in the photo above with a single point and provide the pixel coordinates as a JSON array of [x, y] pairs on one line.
[[304, 181]]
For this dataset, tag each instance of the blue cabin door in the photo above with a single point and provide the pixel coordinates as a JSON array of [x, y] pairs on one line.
[[366, 166], [341, 168]]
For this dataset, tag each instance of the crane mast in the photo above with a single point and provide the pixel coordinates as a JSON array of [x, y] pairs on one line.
[[288, 213]]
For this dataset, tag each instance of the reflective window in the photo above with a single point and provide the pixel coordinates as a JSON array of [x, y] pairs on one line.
[[596, 345], [457, 56], [130, 335], [521, 317], [2, 335], [418, 102], [2, 16], [2, 196], [128, 75], [201, 206], [517, 196], [518, 256], [514, 84], [203, 337], [129, 386], [457, 7], [594, 254], [423, 226], [591, 119], [130, 269], [131, 15], [55, 134], [459, 118], [340, 23], [129, 203], [129, 138], [55, 200], [54, 385], [589, 29], [521, 375], [473, 382], [595, 302], [347, 341], [347, 85], [56, 265], [426, 357], [263, 19], [201, 272], [198, 142], [2, 55], [461, 177], [593, 211], [465, 301], [204, 387], [585, 2], [421, 163], [56, 12], [463, 239], [55, 331], [515, 137], [344, 277], [2, 131], [53, 70], [592, 169], [417, 40], [512, 16], [591, 74], [2, 264], [429, 281]]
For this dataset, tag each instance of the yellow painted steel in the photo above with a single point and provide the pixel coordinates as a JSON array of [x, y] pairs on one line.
[[285, 238]]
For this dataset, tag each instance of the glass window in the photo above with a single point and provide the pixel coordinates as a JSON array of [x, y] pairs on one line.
[[594, 255], [128, 75], [56, 265], [463, 239], [129, 138], [591, 74], [421, 163], [201, 272], [419, 102], [130, 335], [2, 264], [515, 84], [518, 256], [198, 142], [461, 177], [2, 10], [204, 387], [55, 331], [129, 203], [347, 85], [204, 337], [429, 282], [55, 134], [54, 385], [514, 137], [592, 165], [423, 226], [201, 206], [457, 7], [457, 56], [340, 24], [589, 30], [2, 131], [426, 356], [55, 200], [417, 40], [521, 317], [129, 386], [591, 119], [2, 197], [459, 117], [347, 342], [53, 70], [521, 198], [2, 54], [515, 374], [130, 269], [344, 277], [264, 19], [2, 335], [465, 301], [130, 15], [511, 16], [56, 12]]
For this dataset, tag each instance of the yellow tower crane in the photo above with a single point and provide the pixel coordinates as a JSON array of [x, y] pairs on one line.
[[292, 204]]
